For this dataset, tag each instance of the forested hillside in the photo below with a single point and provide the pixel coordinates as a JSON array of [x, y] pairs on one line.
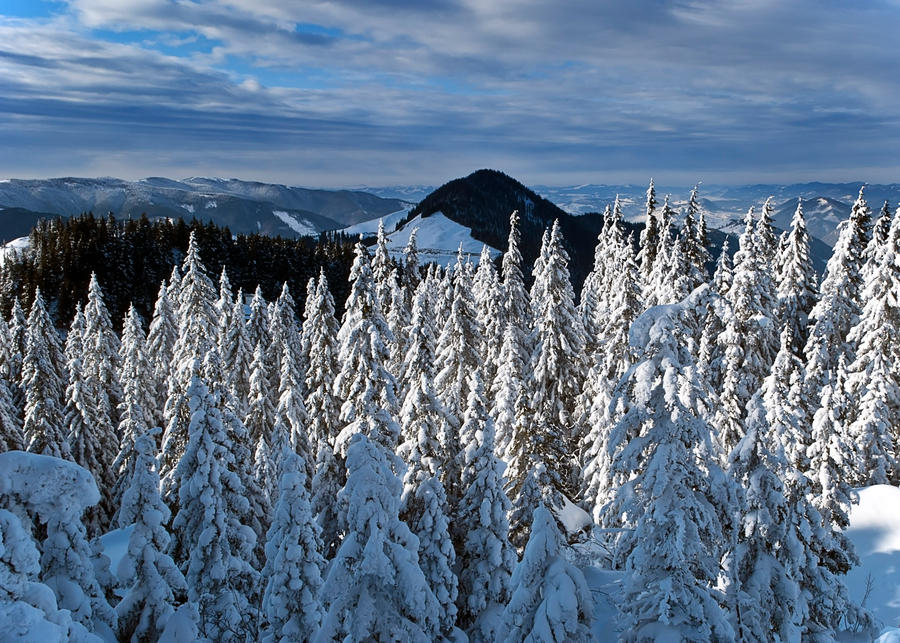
[[447, 458], [132, 257]]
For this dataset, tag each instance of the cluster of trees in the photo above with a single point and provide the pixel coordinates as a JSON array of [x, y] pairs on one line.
[[397, 473], [132, 256]]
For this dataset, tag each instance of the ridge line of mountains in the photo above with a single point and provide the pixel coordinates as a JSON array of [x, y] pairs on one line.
[[480, 202]]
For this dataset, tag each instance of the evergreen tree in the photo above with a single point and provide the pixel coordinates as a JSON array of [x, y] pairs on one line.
[[154, 586], [674, 496], [557, 366], [43, 381], [11, 436], [292, 577], [367, 388], [237, 355], [550, 600], [89, 438], [210, 542], [490, 311], [724, 273], [459, 345], [518, 310], [767, 601], [374, 587], [797, 281], [196, 338], [161, 339], [101, 359], [872, 380], [508, 387], [485, 558], [649, 235], [18, 333], [423, 503], [69, 566], [320, 330], [839, 303], [381, 268], [291, 420], [260, 416]]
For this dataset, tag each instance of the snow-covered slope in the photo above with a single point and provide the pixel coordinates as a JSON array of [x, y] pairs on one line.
[[370, 227], [439, 239], [875, 531]]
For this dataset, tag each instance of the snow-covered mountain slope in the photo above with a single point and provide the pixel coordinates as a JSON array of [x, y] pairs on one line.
[[438, 238], [370, 227], [243, 206]]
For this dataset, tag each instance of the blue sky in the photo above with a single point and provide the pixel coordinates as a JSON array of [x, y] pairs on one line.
[[351, 92]]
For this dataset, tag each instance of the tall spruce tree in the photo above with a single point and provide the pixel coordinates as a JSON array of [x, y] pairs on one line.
[[43, 380], [374, 587], [154, 585]]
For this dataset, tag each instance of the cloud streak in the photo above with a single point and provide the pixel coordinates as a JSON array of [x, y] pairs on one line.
[[331, 93]]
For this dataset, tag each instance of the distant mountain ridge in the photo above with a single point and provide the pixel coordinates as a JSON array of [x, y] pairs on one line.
[[243, 206]]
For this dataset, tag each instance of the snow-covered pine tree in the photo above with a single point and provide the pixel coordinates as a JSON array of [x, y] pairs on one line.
[[375, 588], [550, 599], [518, 309], [590, 307], [834, 469], [675, 494], [286, 333], [258, 323], [11, 436], [89, 435], [43, 381], [724, 273], [649, 235], [18, 333], [881, 231], [656, 290], [292, 576], [839, 305], [28, 606], [161, 339], [196, 338], [872, 379], [692, 239], [320, 342], [557, 367], [291, 421], [787, 405], [209, 541], [237, 355], [624, 306], [261, 416], [765, 598], [458, 347], [153, 584], [100, 360], [367, 388], [68, 563], [382, 265], [797, 281], [491, 313], [423, 503], [508, 387], [485, 558], [398, 318], [411, 276]]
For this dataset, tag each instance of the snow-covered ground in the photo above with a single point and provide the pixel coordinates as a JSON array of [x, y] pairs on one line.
[[438, 239], [15, 245], [370, 227], [299, 226], [875, 531]]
